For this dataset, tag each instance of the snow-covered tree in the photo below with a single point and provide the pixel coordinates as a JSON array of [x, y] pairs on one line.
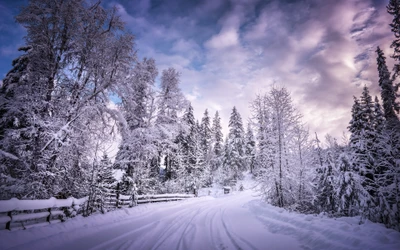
[[139, 146], [348, 188], [138, 96], [277, 164], [393, 8], [205, 135], [388, 90], [250, 148], [234, 157], [325, 192], [217, 141], [170, 105], [171, 100], [284, 119], [102, 186], [265, 164], [76, 53], [303, 159]]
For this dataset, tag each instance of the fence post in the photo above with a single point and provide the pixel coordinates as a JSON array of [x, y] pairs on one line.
[[8, 224], [48, 217], [117, 201]]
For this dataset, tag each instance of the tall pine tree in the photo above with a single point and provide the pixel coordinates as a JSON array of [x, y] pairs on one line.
[[234, 158]]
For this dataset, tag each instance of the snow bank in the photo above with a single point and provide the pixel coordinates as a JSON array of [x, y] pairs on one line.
[[320, 232]]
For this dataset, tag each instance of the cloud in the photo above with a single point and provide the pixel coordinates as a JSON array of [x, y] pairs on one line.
[[229, 51], [224, 40]]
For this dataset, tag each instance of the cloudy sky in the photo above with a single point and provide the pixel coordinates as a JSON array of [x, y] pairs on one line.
[[322, 51]]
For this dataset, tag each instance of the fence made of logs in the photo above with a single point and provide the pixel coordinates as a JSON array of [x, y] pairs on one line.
[[23, 214]]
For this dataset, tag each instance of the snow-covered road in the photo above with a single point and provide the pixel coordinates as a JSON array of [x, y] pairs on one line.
[[236, 221]]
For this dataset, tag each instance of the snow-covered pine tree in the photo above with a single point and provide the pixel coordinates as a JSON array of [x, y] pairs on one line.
[[265, 165], [103, 186], [356, 127], [198, 175], [250, 148], [189, 142], [388, 90], [205, 134], [378, 209], [325, 193], [393, 8], [106, 182], [234, 157], [364, 157], [217, 140], [350, 195], [391, 196]]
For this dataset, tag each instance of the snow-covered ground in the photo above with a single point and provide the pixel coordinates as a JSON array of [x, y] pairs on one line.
[[234, 221]]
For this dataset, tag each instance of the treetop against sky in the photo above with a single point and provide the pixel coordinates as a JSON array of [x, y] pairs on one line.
[[323, 52]]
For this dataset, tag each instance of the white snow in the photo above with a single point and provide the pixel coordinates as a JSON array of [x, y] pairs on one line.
[[124, 197], [8, 155], [155, 196], [19, 205], [235, 221]]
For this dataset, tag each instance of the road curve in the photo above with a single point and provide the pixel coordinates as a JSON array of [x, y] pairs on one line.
[[198, 223]]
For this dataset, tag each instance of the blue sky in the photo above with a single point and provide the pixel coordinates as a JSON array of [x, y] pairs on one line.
[[322, 51]]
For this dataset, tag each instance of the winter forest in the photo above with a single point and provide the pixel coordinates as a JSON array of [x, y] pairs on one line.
[[79, 84]]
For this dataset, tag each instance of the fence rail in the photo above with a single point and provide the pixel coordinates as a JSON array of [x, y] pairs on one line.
[[22, 214]]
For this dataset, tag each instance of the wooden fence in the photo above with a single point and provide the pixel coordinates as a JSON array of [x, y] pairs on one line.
[[22, 214]]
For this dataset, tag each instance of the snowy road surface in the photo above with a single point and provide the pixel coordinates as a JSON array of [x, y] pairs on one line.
[[235, 221]]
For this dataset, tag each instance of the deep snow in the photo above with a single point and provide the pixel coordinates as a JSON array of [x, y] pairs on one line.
[[234, 221]]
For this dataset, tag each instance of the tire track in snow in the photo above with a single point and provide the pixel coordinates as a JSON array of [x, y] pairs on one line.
[[181, 241], [171, 230], [133, 223], [122, 236], [182, 220], [138, 228], [211, 230], [234, 235]]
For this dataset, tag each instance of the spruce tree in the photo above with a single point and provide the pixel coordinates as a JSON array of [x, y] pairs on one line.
[[234, 159], [105, 183], [393, 8], [367, 163], [206, 135], [356, 127], [325, 193], [349, 192], [189, 147], [388, 92], [250, 148]]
